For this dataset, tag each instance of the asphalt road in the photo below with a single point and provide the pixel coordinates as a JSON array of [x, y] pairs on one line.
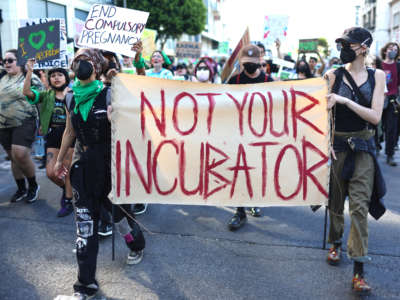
[[190, 254]]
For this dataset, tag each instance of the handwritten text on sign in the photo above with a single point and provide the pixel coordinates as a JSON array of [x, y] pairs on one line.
[[113, 28], [231, 145]]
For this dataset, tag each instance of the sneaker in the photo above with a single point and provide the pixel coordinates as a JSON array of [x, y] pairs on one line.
[[134, 257], [255, 212], [18, 196], [105, 229], [32, 195], [75, 296], [66, 208], [334, 255], [139, 209], [237, 221], [359, 285], [390, 161]]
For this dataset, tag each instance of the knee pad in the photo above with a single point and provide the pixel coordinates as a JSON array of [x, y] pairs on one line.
[[135, 239]]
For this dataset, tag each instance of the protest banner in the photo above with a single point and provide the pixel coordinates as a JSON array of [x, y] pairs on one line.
[[113, 28], [188, 50], [176, 142], [41, 42], [149, 43], [63, 60], [308, 45], [275, 27], [232, 63]]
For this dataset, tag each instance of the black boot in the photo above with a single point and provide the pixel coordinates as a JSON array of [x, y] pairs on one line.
[[238, 220]]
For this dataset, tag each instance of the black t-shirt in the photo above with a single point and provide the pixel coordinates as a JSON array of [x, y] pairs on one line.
[[59, 115], [243, 79]]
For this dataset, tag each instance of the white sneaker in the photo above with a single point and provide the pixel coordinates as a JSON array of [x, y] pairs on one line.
[[134, 257], [75, 296]]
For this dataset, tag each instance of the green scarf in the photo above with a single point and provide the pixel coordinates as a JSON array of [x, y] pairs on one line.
[[84, 96]]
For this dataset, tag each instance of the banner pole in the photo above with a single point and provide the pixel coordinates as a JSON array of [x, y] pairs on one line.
[[325, 226]]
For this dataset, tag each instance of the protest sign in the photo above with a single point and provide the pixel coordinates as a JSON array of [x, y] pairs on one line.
[[149, 43], [177, 142], [308, 45], [113, 28], [232, 63], [41, 42], [223, 48], [188, 50], [275, 27], [63, 60]]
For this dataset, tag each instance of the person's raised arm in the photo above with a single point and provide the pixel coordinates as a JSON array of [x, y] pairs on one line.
[[321, 69], [27, 91], [139, 60], [278, 48]]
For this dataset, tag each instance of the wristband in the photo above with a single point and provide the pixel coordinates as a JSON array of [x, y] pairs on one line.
[[36, 95]]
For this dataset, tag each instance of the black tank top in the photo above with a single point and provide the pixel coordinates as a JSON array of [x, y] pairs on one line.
[[97, 129], [345, 119]]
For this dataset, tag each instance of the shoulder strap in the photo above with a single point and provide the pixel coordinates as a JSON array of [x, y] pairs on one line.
[[68, 100], [354, 86], [338, 80], [238, 78]]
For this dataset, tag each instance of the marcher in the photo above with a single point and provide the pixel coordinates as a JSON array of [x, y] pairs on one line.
[[357, 109], [204, 71], [250, 59], [312, 62], [52, 125], [390, 54], [158, 58], [18, 126], [303, 70], [88, 121]]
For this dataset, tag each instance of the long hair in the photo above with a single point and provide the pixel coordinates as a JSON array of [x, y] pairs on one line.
[[15, 52], [384, 49]]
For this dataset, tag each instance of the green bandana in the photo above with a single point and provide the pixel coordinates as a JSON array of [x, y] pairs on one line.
[[84, 96]]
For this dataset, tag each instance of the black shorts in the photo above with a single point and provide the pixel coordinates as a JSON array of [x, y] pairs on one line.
[[54, 137], [23, 135]]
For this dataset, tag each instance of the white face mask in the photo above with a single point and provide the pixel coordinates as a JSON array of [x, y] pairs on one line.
[[203, 75]]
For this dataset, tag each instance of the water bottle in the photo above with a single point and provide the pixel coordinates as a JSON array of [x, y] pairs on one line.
[[38, 147]]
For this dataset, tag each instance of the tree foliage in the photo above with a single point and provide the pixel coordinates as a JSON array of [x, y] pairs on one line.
[[172, 18]]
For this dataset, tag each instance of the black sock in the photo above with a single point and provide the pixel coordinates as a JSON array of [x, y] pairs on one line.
[[241, 210], [68, 200], [32, 182], [21, 184], [358, 268]]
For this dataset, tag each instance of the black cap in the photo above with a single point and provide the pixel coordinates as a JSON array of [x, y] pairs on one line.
[[356, 35]]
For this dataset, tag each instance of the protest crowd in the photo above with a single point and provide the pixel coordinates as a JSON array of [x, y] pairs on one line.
[[71, 108]]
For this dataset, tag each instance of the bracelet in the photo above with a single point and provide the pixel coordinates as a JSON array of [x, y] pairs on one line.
[[140, 64]]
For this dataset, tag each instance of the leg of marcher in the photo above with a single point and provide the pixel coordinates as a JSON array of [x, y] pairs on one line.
[[238, 219], [390, 134], [19, 180], [360, 190], [337, 195]]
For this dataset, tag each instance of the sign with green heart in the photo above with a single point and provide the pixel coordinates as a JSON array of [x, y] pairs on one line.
[[41, 42]]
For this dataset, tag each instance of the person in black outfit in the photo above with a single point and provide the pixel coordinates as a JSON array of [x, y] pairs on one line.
[[250, 59], [88, 121]]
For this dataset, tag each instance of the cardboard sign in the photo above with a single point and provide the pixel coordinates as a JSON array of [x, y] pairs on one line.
[[275, 27], [233, 62], [41, 42], [188, 50], [113, 28], [176, 142], [61, 62], [149, 43], [308, 45]]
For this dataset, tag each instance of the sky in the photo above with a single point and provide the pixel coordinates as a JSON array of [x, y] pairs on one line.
[[307, 19]]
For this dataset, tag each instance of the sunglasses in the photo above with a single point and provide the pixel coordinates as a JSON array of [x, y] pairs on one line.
[[264, 65], [9, 60]]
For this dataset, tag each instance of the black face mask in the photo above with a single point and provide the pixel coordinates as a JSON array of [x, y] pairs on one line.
[[251, 67], [347, 55], [84, 70]]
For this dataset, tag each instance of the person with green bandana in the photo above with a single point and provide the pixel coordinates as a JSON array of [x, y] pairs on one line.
[[88, 122]]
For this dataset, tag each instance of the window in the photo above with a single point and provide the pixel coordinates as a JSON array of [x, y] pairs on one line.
[[36, 9], [81, 14], [396, 20], [46, 9]]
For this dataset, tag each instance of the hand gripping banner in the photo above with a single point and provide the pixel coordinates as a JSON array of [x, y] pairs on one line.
[[176, 142]]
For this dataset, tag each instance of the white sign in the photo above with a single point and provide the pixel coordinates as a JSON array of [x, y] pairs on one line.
[[113, 28], [62, 62], [275, 27]]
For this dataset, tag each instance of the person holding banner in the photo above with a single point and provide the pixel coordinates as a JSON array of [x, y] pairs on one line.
[[204, 71], [356, 100], [18, 126], [52, 125], [250, 59], [88, 121]]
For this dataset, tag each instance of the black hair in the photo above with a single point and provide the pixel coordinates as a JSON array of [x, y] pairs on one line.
[[62, 71], [15, 52], [314, 58], [261, 45], [307, 72]]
